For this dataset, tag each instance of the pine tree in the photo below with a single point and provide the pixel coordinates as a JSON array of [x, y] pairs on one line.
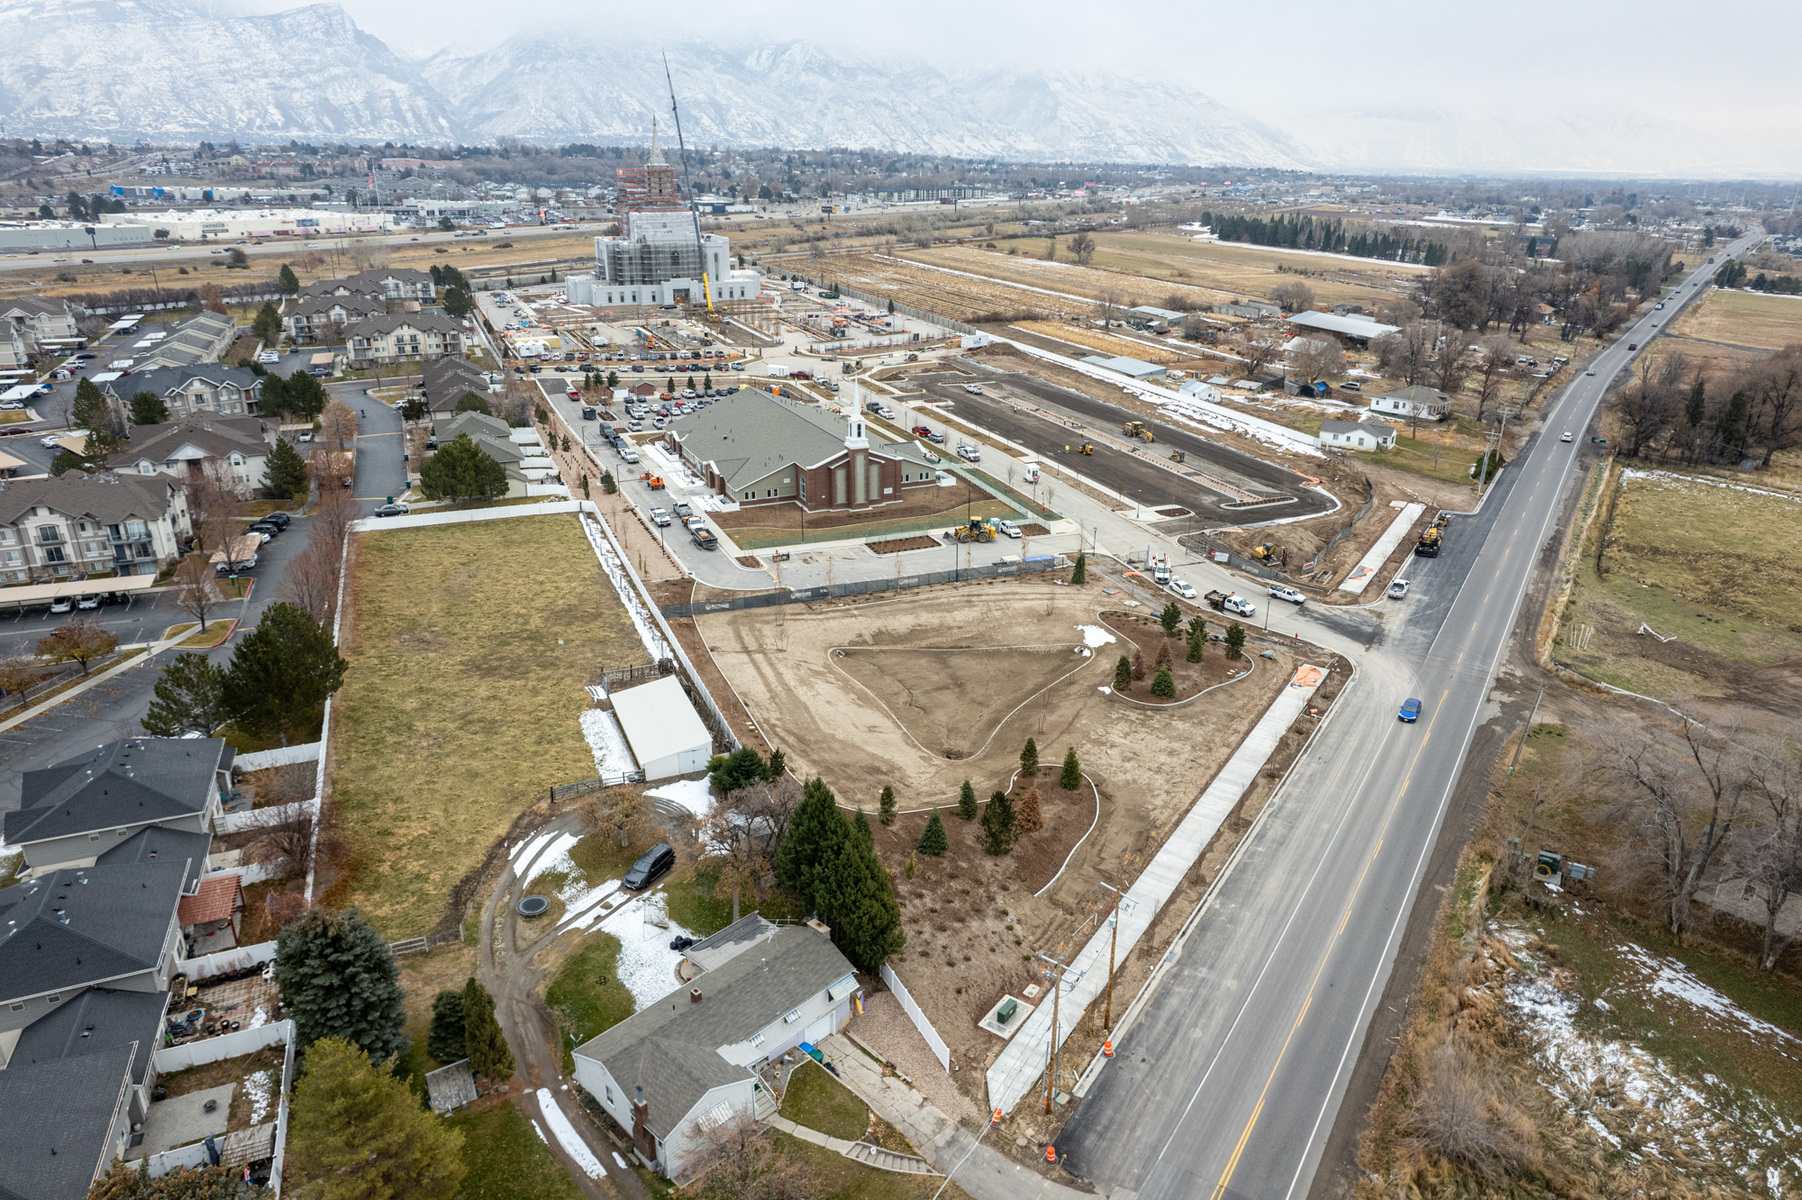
[[998, 828], [1163, 685], [90, 408], [189, 698], [859, 903], [861, 824], [267, 324], [444, 1041], [1029, 760], [287, 477], [885, 811], [1138, 663], [1164, 657], [1123, 674], [1029, 812], [966, 802], [338, 980], [1170, 618], [290, 282], [1235, 641], [483, 1040], [462, 470], [1696, 407], [281, 673], [148, 408], [1071, 777], [932, 839], [1080, 573], [1198, 639], [777, 765], [358, 1133], [810, 848]]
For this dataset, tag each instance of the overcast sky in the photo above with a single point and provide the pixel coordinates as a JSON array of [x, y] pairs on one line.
[[1315, 68]]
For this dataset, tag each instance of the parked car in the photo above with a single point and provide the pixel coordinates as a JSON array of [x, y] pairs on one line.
[[88, 602], [683, 508], [660, 516], [975, 389], [588, 414], [634, 426], [1351, 385], [969, 453], [1008, 528], [703, 537], [267, 528], [282, 520], [1281, 592], [60, 605], [651, 866], [269, 356], [1410, 712], [1183, 588], [392, 510], [1398, 589]]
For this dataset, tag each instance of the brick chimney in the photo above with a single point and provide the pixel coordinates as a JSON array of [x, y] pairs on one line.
[[642, 1139]]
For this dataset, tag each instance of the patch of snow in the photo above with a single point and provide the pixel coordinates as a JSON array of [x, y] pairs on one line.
[[696, 795], [261, 1091], [1668, 977], [537, 1129], [1094, 636], [600, 728], [620, 1161], [1105, 690], [552, 855], [259, 1018], [528, 850], [567, 1137], [646, 964], [584, 909], [1674, 477], [622, 584], [1604, 1005]]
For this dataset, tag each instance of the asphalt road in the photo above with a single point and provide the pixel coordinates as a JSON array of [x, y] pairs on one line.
[[1231, 1079]]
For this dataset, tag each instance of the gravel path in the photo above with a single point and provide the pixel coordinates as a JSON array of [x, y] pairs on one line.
[[886, 1029]]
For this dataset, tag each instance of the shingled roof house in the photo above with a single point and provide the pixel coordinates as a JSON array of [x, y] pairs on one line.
[[59, 524], [116, 843], [689, 1061], [755, 448]]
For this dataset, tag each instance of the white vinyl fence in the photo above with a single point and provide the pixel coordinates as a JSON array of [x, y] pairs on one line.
[[281, 756], [261, 818], [223, 962], [940, 1051], [169, 1059]]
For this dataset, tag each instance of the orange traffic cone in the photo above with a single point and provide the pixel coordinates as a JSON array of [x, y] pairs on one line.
[[1051, 1155], [995, 1119], [1107, 1049]]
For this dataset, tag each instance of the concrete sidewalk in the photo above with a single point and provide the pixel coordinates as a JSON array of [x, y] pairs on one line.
[[1022, 1062], [981, 1170]]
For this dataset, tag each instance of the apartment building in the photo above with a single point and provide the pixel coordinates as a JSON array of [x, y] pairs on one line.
[[400, 283], [29, 324], [237, 446], [401, 337], [191, 390], [75, 523], [315, 319]]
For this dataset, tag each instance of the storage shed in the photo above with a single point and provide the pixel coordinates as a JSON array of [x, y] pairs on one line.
[[663, 729]]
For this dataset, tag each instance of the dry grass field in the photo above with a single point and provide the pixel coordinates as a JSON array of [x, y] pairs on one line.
[[469, 647], [1743, 319]]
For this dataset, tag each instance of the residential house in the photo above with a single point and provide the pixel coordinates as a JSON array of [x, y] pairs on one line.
[[755, 448], [445, 381], [188, 390], [689, 1061], [323, 319], [238, 445], [28, 323], [199, 339], [55, 526], [1357, 435], [399, 283], [1415, 401], [403, 336]]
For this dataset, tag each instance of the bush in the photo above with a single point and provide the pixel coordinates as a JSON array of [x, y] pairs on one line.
[[1029, 812], [1071, 777]]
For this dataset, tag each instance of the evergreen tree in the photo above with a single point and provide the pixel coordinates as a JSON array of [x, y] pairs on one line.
[[302, 395], [1170, 618], [483, 1041], [966, 802], [457, 302], [267, 324], [1163, 685], [1138, 663], [1123, 674], [1029, 760], [1235, 641], [90, 408], [742, 768], [1080, 572], [281, 673], [338, 980], [1071, 777], [777, 765], [189, 698], [861, 823], [444, 1041], [859, 903], [932, 839], [1198, 638], [1730, 433], [359, 1133], [1696, 408], [998, 827], [287, 477], [462, 471], [885, 806], [1164, 657], [290, 282], [148, 408], [810, 849], [1029, 812], [471, 402]]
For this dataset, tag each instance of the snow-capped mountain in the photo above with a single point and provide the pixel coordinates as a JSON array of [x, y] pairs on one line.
[[173, 69]]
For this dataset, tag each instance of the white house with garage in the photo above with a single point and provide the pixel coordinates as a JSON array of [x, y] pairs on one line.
[[1357, 435]]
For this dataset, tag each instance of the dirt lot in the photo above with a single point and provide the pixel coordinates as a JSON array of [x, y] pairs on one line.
[[779, 524], [1143, 631], [917, 681], [971, 300]]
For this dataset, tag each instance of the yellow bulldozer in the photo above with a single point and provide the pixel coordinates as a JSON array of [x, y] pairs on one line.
[[1138, 429], [1266, 552], [977, 530]]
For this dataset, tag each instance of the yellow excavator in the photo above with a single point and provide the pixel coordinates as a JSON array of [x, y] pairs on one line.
[[978, 530]]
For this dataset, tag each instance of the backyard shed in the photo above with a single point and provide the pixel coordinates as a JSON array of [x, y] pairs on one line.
[[663, 729]]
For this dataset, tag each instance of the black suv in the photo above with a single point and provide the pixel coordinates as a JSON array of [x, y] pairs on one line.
[[650, 867]]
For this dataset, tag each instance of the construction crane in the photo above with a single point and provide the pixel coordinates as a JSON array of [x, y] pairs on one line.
[[713, 316]]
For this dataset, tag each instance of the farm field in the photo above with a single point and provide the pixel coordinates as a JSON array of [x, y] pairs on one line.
[[469, 647], [1744, 319], [1673, 613]]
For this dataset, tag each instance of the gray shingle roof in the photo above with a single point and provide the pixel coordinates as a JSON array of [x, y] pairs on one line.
[[165, 381], [444, 381], [134, 781], [55, 1119], [1372, 427], [216, 435], [107, 497], [421, 321], [161, 844], [750, 434], [85, 925], [31, 306], [713, 952], [669, 1047], [1419, 393], [98, 1019]]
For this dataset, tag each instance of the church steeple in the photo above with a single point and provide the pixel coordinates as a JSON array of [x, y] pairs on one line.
[[656, 159]]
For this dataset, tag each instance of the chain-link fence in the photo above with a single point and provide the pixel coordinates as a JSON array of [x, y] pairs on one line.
[[865, 587]]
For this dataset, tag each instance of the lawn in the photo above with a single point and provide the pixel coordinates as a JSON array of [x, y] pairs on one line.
[[817, 1100], [1666, 570], [469, 649], [506, 1160], [693, 905], [1439, 452], [586, 994]]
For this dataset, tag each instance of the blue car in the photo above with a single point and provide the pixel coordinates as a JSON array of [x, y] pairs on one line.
[[1410, 710]]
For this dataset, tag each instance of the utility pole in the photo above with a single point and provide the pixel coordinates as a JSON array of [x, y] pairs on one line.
[[1107, 1020], [1057, 988], [1527, 733]]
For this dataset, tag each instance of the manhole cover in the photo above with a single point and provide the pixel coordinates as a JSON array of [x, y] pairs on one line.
[[533, 906]]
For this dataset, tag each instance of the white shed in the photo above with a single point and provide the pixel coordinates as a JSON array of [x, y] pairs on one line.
[[663, 729]]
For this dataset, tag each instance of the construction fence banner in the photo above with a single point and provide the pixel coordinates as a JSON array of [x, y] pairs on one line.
[[865, 587], [169, 1059], [940, 1051]]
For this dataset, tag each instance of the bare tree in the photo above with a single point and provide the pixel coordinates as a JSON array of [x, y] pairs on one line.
[[1259, 348], [1293, 295], [1770, 852], [311, 578], [213, 508], [1083, 247], [81, 640], [1453, 362], [1493, 364], [337, 424], [767, 807], [622, 813], [1107, 305], [1311, 359], [732, 1160], [195, 590], [1682, 803], [333, 515]]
